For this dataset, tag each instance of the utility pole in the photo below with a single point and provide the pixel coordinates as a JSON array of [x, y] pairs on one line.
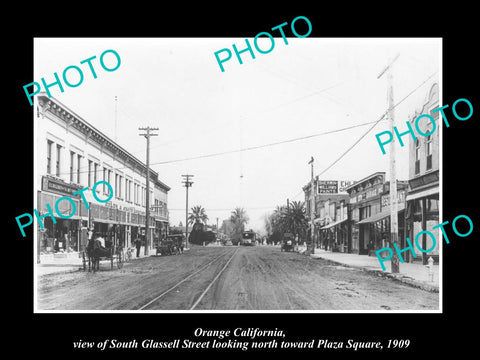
[[147, 135], [395, 263], [187, 184], [312, 208]]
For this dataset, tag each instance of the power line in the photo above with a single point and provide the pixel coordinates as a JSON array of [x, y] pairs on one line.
[[371, 128], [262, 146], [288, 140], [351, 147]]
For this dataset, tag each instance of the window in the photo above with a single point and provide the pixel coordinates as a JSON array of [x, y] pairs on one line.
[[89, 173], [79, 163], [49, 156], [57, 165], [120, 180], [417, 157], [105, 179], [429, 152], [95, 170], [72, 160], [365, 212]]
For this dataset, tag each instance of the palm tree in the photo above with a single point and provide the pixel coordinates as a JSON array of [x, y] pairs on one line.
[[197, 215], [238, 218], [291, 219], [295, 218]]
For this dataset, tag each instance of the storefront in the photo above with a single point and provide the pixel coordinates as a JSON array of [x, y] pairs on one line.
[[376, 233], [422, 213], [60, 235], [335, 236]]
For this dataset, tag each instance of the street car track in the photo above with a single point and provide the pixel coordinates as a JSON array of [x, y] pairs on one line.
[[158, 297]]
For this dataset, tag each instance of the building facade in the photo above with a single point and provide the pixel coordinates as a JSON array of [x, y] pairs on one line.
[[365, 202], [422, 201], [71, 154], [376, 228], [331, 226], [331, 222]]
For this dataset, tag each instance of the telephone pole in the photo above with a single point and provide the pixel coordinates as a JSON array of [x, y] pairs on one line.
[[187, 183], [312, 209], [147, 135], [395, 263]]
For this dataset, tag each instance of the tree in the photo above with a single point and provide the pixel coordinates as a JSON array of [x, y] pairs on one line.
[[197, 215], [290, 219], [295, 218], [239, 219]]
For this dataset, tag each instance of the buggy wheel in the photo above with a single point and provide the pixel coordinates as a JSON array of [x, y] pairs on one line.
[[120, 259]]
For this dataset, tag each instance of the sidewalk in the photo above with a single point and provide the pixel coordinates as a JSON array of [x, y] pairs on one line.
[[51, 265], [414, 274]]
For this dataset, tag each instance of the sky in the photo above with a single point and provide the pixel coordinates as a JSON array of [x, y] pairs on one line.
[[310, 86]]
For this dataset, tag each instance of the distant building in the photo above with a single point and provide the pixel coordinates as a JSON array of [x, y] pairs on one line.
[[330, 213]]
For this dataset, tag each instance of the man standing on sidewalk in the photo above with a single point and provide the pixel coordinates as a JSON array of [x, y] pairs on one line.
[[138, 244]]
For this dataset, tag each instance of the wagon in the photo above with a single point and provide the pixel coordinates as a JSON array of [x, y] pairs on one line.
[[172, 245], [287, 242], [95, 252]]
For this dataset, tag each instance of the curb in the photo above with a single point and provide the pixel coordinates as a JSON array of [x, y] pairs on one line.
[[63, 271], [400, 278]]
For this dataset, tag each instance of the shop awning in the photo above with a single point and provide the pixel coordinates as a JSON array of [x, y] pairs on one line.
[[383, 214], [333, 224], [421, 194]]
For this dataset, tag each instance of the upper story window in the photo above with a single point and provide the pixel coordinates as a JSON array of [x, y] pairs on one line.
[[417, 157], [72, 162], [57, 165], [79, 165], [429, 152], [49, 156]]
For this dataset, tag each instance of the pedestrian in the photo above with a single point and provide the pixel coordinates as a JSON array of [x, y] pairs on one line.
[[138, 244]]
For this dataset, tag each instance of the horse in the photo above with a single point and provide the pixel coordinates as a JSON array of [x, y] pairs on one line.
[[95, 251]]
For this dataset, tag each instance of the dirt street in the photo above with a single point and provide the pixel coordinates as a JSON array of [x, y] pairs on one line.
[[229, 278]]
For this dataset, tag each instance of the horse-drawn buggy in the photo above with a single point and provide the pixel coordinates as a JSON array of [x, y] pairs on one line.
[[172, 245], [96, 252]]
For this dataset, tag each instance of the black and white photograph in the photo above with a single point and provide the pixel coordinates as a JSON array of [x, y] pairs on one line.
[[269, 179], [210, 181]]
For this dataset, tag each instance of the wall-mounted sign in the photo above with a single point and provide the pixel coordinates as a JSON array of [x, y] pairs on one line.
[[58, 186], [327, 186], [332, 186]]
